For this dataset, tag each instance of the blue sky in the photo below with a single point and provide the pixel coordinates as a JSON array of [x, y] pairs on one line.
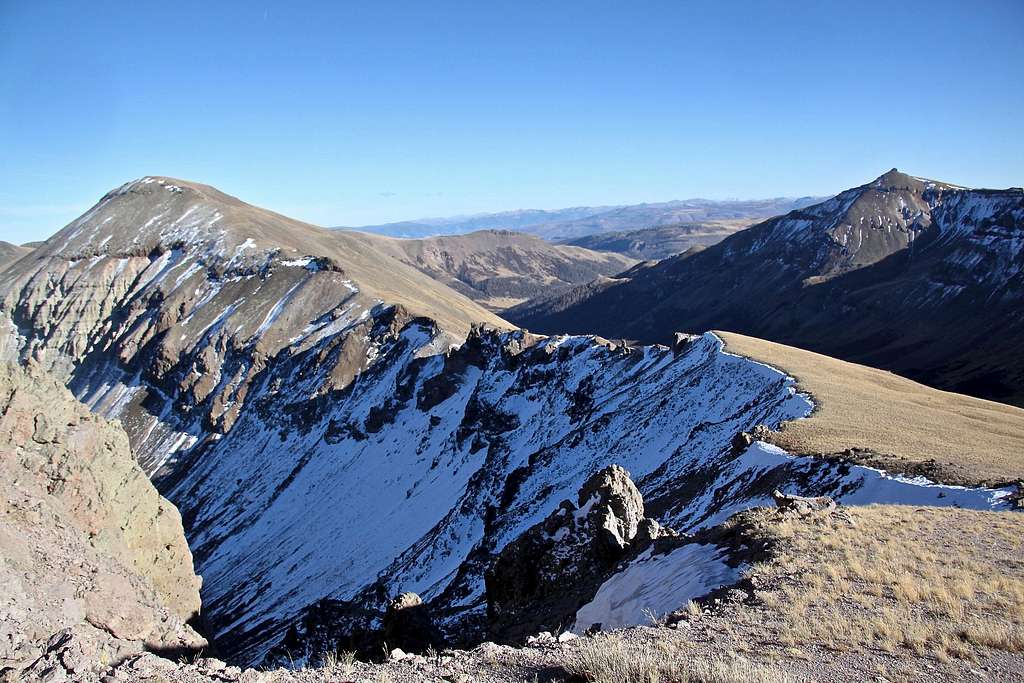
[[349, 114]]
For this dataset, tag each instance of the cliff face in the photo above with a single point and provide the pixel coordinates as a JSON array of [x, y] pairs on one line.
[[92, 559]]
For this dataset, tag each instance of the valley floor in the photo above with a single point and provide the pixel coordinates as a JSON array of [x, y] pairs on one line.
[[877, 593]]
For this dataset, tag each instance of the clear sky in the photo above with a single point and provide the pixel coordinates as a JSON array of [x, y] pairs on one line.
[[355, 113]]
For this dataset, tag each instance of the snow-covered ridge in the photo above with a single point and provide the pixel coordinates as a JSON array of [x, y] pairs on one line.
[[323, 444], [439, 458]]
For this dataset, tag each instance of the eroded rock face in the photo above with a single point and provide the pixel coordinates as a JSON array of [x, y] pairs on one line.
[[539, 580], [93, 561]]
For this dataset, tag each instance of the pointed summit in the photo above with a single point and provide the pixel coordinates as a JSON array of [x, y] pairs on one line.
[[894, 180]]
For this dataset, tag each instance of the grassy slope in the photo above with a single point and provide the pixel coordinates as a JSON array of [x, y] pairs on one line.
[[904, 426]]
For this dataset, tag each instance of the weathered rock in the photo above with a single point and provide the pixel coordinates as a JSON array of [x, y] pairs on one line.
[[93, 562], [1017, 497], [681, 340], [408, 625], [801, 505], [742, 440], [541, 579], [614, 508], [541, 639]]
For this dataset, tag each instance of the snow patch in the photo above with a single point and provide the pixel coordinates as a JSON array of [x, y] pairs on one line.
[[652, 586]]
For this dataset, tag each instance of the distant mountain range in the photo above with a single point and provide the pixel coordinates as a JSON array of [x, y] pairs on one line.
[[916, 276], [562, 225]]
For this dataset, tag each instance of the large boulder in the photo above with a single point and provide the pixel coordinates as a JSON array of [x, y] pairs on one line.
[[408, 625], [539, 580], [93, 561]]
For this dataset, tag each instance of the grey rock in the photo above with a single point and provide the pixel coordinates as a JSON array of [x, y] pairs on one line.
[[801, 505], [408, 625], [539, 580]]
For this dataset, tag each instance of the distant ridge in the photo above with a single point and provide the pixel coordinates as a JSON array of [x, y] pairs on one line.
[[571, 223], [501, 268], [903, 273], [9, 253]]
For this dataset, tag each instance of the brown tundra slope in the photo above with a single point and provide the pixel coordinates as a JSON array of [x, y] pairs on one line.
[[502, 268], [9, 253]]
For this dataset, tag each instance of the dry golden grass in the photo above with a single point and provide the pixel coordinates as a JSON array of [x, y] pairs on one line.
[[612, 658], [971, 440], [943, 582]]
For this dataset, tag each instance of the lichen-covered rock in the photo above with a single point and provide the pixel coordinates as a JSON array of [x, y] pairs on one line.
[[539, 580], [93, 561]]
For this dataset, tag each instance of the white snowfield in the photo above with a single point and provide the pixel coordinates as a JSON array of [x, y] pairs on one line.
[[652, 587]]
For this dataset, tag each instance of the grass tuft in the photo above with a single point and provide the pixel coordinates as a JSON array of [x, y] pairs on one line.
[[611, 659]]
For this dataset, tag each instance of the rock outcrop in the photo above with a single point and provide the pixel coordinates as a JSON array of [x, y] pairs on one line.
[[93, 561], [539, 580], [408, 625], [803, 505]]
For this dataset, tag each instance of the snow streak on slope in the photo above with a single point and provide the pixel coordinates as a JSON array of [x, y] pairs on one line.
[[426, 463]]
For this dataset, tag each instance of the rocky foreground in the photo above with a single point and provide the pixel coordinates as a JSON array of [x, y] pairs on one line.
[[879, 593], [94, 566]]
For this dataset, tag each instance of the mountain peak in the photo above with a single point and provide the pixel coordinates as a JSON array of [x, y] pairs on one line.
[[893, 179]]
